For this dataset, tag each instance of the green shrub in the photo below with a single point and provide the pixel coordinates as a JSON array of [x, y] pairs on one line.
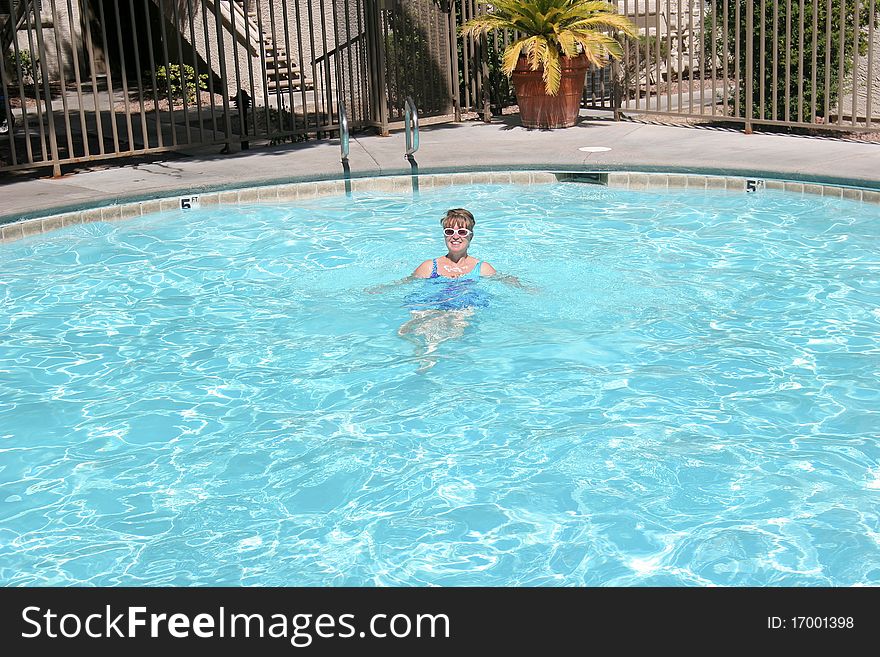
[[797, 62], [23, 67], [180, 78]]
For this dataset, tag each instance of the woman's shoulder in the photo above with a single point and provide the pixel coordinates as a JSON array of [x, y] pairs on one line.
[[486, 269], [424, 269]]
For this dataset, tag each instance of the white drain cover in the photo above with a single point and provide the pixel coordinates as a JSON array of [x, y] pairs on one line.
[[594, 149]]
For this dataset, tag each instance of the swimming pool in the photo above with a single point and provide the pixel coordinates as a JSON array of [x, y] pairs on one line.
[[688, 397]]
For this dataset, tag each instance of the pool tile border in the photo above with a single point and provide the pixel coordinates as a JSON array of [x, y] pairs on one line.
[[640, 181], [303, 191]]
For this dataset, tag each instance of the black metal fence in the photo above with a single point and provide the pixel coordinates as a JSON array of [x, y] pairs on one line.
[[84, 80]]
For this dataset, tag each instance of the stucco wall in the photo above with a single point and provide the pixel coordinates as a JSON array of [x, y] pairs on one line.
[[208, 44], [60, 34]]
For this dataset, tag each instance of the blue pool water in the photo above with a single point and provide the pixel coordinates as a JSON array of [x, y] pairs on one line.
[[687, 394]]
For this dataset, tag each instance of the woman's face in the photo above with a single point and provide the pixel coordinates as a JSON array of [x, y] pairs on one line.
[[458, 238]]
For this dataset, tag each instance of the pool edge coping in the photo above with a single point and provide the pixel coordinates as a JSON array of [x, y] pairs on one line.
[[50, 219]]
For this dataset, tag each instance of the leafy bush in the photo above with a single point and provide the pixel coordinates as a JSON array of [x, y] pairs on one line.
[[548, 30], [23, 67], [794, 65], [180, 78]]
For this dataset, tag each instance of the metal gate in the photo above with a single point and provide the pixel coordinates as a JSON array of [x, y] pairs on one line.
[[85, 80]]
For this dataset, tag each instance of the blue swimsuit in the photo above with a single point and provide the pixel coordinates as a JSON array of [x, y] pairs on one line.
[[445, 293]]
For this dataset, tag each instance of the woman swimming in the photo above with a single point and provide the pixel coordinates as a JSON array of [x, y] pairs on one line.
[[441, 307], [442, 304], [453, 276], [458, 231]]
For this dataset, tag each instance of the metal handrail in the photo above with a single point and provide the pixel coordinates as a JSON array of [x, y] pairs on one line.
[[343, 131], [14, 22], [340, 47], [234, 18], [411, 122]]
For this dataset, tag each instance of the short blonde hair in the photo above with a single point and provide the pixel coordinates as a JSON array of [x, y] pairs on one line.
[[458, 218]]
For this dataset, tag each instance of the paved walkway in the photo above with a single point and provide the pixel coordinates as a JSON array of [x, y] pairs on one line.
[[459, 147]]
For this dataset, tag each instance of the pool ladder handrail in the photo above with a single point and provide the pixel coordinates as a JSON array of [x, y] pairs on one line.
[[343, 131], [411, 123]]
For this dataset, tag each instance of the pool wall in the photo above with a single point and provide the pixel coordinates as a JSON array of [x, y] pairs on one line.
[[301, 191]]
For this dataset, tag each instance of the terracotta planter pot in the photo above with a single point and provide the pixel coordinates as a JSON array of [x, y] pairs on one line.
[[536, 108]]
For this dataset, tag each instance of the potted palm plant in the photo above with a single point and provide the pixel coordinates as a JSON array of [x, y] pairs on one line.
[[557, 41]]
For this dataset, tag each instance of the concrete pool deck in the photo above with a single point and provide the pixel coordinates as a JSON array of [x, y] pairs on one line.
[[472, 146]]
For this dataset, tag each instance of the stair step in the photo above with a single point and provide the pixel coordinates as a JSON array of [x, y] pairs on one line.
[[293, 86], [283, 71], [284, 85], [292, 72], [282, 79]]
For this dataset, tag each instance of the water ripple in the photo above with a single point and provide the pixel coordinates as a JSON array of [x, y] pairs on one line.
[[688, 397]]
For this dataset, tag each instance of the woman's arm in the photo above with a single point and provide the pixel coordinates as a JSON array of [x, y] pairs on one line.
[[422, 271], [488, 270], [378, 289]]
